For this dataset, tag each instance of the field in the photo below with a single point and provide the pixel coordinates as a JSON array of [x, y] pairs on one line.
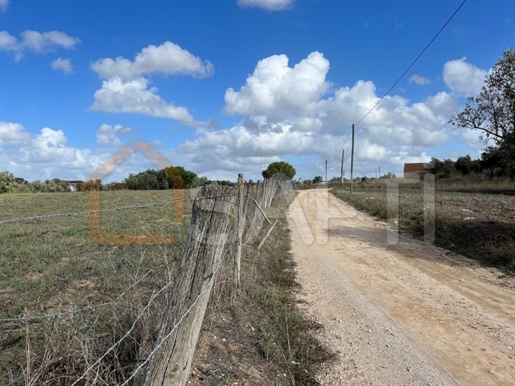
[[61, 293], [480, 225], [77, 312]]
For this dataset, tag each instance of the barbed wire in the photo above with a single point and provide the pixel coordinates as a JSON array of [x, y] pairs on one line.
[[72, 312], [176, 325], [152, 298], [117, 208]]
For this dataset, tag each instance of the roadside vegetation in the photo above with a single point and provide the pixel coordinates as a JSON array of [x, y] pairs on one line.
[[258, 336]]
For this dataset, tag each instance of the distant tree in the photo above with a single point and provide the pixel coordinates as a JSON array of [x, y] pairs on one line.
[[91, 185], [464, 164], [189, 178], [500, 161], [174, 176], [388, 176], [447, 169], [318, 180], [280, 167]]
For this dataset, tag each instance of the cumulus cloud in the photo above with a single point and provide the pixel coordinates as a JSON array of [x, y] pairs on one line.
[[270, 5], [463, 77], [419, 80], [64, 65], [110, 135], [126, 87], [167, 59], [43, 155], [275, 87], [36, 41], [295, 111], [134, 96], [4, 4], [13, 134]]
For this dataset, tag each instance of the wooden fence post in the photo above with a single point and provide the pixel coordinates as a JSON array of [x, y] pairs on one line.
[[240, 222], [188, 298]]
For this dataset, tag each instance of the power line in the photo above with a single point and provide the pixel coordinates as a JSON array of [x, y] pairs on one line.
[[341, 149], [413, 63]]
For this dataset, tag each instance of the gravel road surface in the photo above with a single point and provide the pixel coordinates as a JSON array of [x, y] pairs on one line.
[[395, 310]]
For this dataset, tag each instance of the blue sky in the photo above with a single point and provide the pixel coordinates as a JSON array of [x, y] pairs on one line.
[[222, 87]]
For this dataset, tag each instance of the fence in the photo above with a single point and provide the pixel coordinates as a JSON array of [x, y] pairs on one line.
[[224, 220]]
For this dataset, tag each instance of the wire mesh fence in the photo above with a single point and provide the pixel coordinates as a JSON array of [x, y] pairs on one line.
[[147, 333]]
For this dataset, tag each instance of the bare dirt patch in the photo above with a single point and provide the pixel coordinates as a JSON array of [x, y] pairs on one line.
[[396, 310]]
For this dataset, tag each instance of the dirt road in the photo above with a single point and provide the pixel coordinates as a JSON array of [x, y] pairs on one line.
[[398, 312]]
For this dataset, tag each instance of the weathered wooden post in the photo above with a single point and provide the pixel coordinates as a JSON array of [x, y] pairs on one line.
[[240, 222], [207, 239]]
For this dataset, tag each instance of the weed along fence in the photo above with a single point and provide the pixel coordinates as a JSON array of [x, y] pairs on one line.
[[147, 333], [211, 235]]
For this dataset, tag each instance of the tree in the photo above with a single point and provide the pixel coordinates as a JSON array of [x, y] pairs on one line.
[[280, 167], [190, 179], [174, 177], [493, 111], [318, 180]]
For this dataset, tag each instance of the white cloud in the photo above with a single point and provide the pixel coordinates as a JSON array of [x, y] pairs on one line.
[[270, 5], [134, 96], [64, 65], [8, 42], [13, 134], [463, 77], [110, 135], [275, 87], [126, 89], [43, 155], [4, 4], [36, 41], [419, 80], [168, 59]]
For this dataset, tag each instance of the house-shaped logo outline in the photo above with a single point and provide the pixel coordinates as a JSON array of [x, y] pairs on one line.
[[94, 198]]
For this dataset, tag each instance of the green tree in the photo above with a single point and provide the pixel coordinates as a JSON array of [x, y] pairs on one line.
[[280, 167], [174, 177], [492, 112], [318, 180], [500, 161], [189, 179]]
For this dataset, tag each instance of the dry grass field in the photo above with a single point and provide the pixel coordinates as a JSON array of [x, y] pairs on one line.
[[76, 312], [62, 295], [478, 224]]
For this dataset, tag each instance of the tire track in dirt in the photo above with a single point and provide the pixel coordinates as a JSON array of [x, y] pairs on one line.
[[401, 313]]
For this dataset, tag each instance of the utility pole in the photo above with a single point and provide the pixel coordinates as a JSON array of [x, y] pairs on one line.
[[341, 172], [326, 173], [352, 163], [379, 169]]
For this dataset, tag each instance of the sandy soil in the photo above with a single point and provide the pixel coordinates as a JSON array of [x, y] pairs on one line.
[[395, 310]]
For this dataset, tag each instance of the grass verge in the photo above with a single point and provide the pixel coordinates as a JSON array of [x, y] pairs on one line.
[[258, 336]]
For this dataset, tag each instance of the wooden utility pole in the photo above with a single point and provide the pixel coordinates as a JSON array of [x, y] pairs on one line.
[[326, 171], [341, 171], [352, 163]]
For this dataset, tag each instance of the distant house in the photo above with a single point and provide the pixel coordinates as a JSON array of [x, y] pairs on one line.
[[74, 184], [416, 170]]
